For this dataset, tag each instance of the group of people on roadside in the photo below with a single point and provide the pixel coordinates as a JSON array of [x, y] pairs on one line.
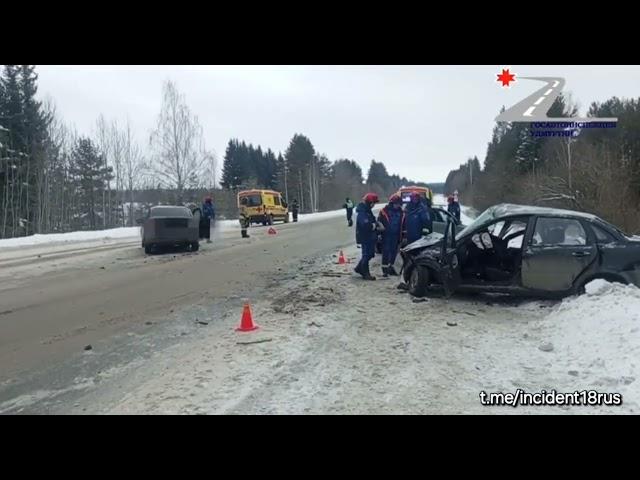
[[395, 226]]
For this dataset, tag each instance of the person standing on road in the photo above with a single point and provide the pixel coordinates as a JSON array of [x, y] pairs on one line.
[[392, 219], [453, 207], [418, 221], [245, 220], [348, 205], [208, 216], [366, 234], [294, 209]]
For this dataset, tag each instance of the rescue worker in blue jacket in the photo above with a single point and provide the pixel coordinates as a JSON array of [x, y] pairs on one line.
[[392, 219], [208, 216], [366, 234], [418, 221]]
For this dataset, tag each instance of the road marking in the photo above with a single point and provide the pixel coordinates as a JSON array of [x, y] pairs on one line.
[[555, 84], [548, 92], [528, 112], [539, 101]]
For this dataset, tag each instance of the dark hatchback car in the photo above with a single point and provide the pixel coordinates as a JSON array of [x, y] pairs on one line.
[[170, 226], [523, 250]]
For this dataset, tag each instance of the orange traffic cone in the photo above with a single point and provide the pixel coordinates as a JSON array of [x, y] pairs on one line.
[[246, 322], [341, 259], [272, 231]]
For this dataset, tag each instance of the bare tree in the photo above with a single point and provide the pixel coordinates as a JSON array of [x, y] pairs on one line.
[[211, 170], [133, 166], [104, 144], [177, 143]]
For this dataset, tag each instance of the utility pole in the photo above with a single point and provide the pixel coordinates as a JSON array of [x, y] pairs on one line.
[[286, 188], [570, 140]]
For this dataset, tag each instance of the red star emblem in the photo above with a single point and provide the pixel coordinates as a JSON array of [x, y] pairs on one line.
[[506, 77]]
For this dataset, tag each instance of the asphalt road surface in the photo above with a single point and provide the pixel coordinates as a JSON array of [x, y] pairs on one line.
[[55, 305]]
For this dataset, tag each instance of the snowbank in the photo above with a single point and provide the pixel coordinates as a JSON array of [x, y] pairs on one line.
[[314, 217], [83, 236], [598, 336]]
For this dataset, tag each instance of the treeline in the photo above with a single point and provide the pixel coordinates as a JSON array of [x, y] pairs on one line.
[[595, 170], [304, 174], [53, 179]]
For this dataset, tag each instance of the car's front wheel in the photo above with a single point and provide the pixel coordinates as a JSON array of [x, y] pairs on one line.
[[418, 281]]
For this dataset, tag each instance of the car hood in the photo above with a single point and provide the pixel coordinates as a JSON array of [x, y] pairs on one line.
[[426, 241]]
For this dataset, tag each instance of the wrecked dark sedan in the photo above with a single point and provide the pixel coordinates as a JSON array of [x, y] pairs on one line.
[[522, 250], [169, 226]]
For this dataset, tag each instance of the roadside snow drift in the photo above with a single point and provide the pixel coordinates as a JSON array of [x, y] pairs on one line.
[[598, 335], [83, 236]]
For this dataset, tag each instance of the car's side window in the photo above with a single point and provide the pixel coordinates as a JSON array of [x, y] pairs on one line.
[[437, 216], [559, 231], [602, 235]]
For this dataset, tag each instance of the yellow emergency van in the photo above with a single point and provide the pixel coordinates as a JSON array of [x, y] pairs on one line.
[[264, 206]]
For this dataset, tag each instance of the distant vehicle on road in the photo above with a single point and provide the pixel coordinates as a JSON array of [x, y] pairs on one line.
[[405, 193], [264, 206], [522, 250], [169, 226]]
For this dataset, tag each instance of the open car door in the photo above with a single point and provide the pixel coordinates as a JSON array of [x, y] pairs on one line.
[[440, 219], [449, 264]]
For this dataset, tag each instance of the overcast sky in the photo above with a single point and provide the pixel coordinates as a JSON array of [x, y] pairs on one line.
[[421, 121]]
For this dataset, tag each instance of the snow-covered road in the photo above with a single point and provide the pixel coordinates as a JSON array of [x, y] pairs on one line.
[[328, 342]]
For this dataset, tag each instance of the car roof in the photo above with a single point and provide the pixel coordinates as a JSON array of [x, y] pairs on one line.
[[170, 209], [168, 206], [511, 209]]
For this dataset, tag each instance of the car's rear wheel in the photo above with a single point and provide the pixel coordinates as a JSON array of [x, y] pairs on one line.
[[195, 246], [418, 281], [148, 249], [286, 218]]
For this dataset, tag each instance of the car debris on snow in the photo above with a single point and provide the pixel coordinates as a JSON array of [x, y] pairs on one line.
[[252, 342], [466, 313], [546, 347]]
